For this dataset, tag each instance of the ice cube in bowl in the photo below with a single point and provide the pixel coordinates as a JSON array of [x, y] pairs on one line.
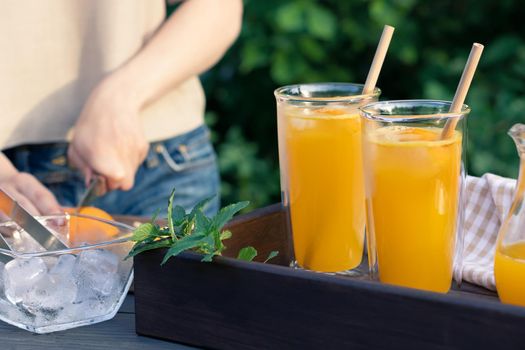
[[48, 291]]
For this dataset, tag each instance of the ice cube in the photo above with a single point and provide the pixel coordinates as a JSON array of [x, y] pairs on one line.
[[20, 275], [96, 307], [64, 265], [104, 259], [51, 294], [55, 291], [96, 272]]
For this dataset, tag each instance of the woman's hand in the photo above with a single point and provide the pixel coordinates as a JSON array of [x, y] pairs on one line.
[[108, 137], [30, 194]]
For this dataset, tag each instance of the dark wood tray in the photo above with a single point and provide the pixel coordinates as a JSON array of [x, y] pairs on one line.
[[231, 304]]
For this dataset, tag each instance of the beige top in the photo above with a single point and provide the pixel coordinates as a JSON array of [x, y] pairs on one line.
[[54, 52]]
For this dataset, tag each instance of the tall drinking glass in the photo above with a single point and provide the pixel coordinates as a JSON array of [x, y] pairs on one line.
[[414, 181], [322, 181]]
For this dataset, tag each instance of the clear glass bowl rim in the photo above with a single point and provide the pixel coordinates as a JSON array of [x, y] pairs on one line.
[[119, 225]]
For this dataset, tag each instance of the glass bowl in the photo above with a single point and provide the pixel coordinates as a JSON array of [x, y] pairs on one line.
[[48, 291]]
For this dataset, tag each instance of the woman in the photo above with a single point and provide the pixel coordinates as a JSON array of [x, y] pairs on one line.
[[109, 87]]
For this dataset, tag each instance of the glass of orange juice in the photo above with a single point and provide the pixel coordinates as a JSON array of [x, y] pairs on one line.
[[321, 167], [414, 181]]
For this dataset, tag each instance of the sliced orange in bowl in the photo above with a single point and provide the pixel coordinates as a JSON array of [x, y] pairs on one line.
[[84, 230]]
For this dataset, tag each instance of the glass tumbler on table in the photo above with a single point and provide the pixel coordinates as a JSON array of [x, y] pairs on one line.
[[414, 180], [322, 181]]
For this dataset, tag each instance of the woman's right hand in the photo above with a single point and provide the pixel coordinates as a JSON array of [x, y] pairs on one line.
[[30, 193]]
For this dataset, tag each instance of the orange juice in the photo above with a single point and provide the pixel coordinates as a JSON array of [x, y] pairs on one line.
[[413, 184], [326, 188], [509, 269]]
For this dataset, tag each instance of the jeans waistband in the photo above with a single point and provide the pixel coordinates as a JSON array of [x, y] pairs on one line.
[[201, 131]]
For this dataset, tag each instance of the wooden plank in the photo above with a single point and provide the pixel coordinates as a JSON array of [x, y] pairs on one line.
[[232, 304], [118, 333]]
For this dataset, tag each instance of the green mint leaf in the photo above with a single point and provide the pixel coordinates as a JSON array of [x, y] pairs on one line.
[[225, 214], [219, 247], [226, 235], [207, 245], [187, 226], [144, 231], [272, 255], [189, 231], [202, 223], [139, 248], [170, 217], [247, 254], [178, 215], [185, 243]]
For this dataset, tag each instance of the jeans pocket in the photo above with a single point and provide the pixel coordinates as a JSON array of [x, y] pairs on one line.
[[184, 155]]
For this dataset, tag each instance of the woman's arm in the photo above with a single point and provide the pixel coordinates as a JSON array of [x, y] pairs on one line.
[[108, 138], [192, 40]]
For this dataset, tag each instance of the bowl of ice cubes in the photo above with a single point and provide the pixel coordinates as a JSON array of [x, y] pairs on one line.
[[48, 291]]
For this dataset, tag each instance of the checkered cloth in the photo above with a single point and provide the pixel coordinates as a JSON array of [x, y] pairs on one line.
[[487, 202]]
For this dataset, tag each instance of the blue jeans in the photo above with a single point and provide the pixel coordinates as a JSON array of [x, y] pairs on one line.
[[187, 163]]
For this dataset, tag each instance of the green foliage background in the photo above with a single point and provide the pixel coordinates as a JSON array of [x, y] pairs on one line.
[[294, 41]]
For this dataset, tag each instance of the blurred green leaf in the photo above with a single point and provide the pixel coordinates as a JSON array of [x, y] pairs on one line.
[[312, 49], [320, 22], [290, 16], [501, 49], [253, 57]]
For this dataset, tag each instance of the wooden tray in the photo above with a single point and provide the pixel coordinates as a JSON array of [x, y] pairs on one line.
[[231, 304]]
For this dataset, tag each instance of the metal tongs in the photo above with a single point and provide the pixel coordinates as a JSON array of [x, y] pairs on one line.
[[12, 209]]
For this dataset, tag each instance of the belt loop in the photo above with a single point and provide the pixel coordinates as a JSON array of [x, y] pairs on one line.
[[152, 159], [160, 149]]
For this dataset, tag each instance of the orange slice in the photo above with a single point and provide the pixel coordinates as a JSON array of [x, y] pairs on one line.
[[83, 230]]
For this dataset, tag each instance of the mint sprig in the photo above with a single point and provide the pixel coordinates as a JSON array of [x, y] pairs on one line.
[[190, 231]]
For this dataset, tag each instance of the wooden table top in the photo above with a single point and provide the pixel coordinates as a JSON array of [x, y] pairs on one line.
[[117, 333]]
